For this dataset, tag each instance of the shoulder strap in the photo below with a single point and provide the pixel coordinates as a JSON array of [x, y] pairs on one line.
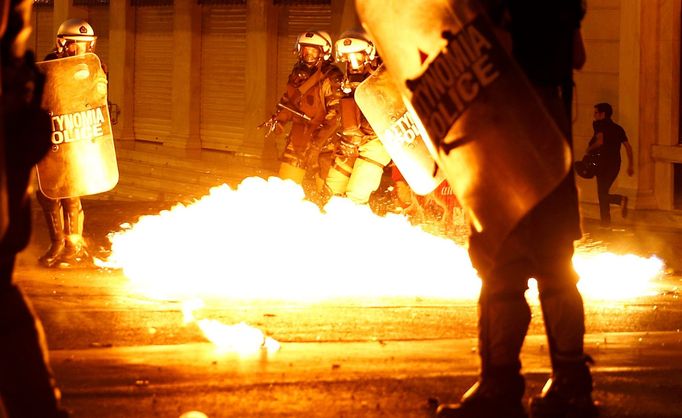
[[310, 82]]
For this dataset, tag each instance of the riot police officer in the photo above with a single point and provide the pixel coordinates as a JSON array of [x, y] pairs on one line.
[[310, 104], [360, 156], [65, 216]]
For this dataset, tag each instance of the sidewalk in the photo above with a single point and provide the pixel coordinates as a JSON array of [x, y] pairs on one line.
[[649, 219]]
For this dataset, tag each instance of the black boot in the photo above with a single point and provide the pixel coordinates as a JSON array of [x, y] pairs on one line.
[[75, 253], [503, 321], [497, 397], [55, 227], [567, 394]]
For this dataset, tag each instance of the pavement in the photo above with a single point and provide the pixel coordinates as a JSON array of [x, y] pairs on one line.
[[116, 371]]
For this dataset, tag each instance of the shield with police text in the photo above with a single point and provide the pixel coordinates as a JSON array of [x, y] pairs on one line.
[[82, 160], [382, 105], [500, 149]]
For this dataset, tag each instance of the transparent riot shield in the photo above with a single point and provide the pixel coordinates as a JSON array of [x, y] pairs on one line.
[[382, 105], [501, 151], [82, 160]]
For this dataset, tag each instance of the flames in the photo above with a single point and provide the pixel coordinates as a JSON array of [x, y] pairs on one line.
[[264, 241]]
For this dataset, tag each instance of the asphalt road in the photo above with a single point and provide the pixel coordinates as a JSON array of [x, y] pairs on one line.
[[120, 354]]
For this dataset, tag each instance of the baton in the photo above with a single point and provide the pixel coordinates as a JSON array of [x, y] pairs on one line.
[[295, 112]]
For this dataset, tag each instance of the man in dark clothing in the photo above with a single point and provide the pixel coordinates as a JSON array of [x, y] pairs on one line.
[[608, 137], [542, 36]]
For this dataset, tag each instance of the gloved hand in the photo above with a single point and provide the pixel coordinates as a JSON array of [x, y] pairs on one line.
[[348, 149]]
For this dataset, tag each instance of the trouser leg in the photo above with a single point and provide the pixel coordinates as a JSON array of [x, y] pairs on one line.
[[504, 317], [604, 182], [52, 210], [568, 392], [75, 251], [339, 175]]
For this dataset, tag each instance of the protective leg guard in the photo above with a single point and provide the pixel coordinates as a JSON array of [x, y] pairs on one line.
[[365, 179], [564, 317], [75, 251], [26, 383], [55, 227], [338, 176], [291, 172], [367, 171], [491, 397], [503, 323], [568, 392]]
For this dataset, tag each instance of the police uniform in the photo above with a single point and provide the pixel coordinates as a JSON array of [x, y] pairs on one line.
[[310, 103], [313, 91], [360, 156], [64, 217], [540, 246]]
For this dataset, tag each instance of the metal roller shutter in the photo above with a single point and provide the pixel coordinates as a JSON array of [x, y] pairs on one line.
[[98, 17], [153, 72], [43, 34], [223, 77], [294, 20]]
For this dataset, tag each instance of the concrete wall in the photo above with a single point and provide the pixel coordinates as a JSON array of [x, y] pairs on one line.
[[599, 79], [633, 53]]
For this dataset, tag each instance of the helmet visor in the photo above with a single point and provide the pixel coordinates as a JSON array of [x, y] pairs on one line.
[[310, 54], [74, 47], [356, 61]]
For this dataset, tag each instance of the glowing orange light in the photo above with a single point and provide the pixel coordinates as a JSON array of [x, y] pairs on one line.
[[264, 241]]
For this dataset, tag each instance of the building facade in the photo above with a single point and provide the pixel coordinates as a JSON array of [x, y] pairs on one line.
[[194, 78]]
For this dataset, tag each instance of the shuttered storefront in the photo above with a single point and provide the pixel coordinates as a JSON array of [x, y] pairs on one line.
[[223, 77], [98, 17], [293, 20], [43, 34], [153, 72]]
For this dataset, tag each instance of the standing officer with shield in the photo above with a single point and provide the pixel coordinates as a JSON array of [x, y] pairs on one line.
[[82, 160], [360, 157], [502, 134]]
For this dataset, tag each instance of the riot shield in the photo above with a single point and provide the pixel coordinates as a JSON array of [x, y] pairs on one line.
[[382, 105], [82, 160], [501, 151]]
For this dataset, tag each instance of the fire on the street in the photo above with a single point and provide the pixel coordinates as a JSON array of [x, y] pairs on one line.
[[264, 241]]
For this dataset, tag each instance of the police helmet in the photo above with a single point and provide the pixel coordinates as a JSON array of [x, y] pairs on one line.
[[320, 39], [75, 30]]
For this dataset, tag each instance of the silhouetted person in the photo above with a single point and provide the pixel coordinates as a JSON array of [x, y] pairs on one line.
[[64, 217], [26, 383], [542, 35], [608, 137]]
